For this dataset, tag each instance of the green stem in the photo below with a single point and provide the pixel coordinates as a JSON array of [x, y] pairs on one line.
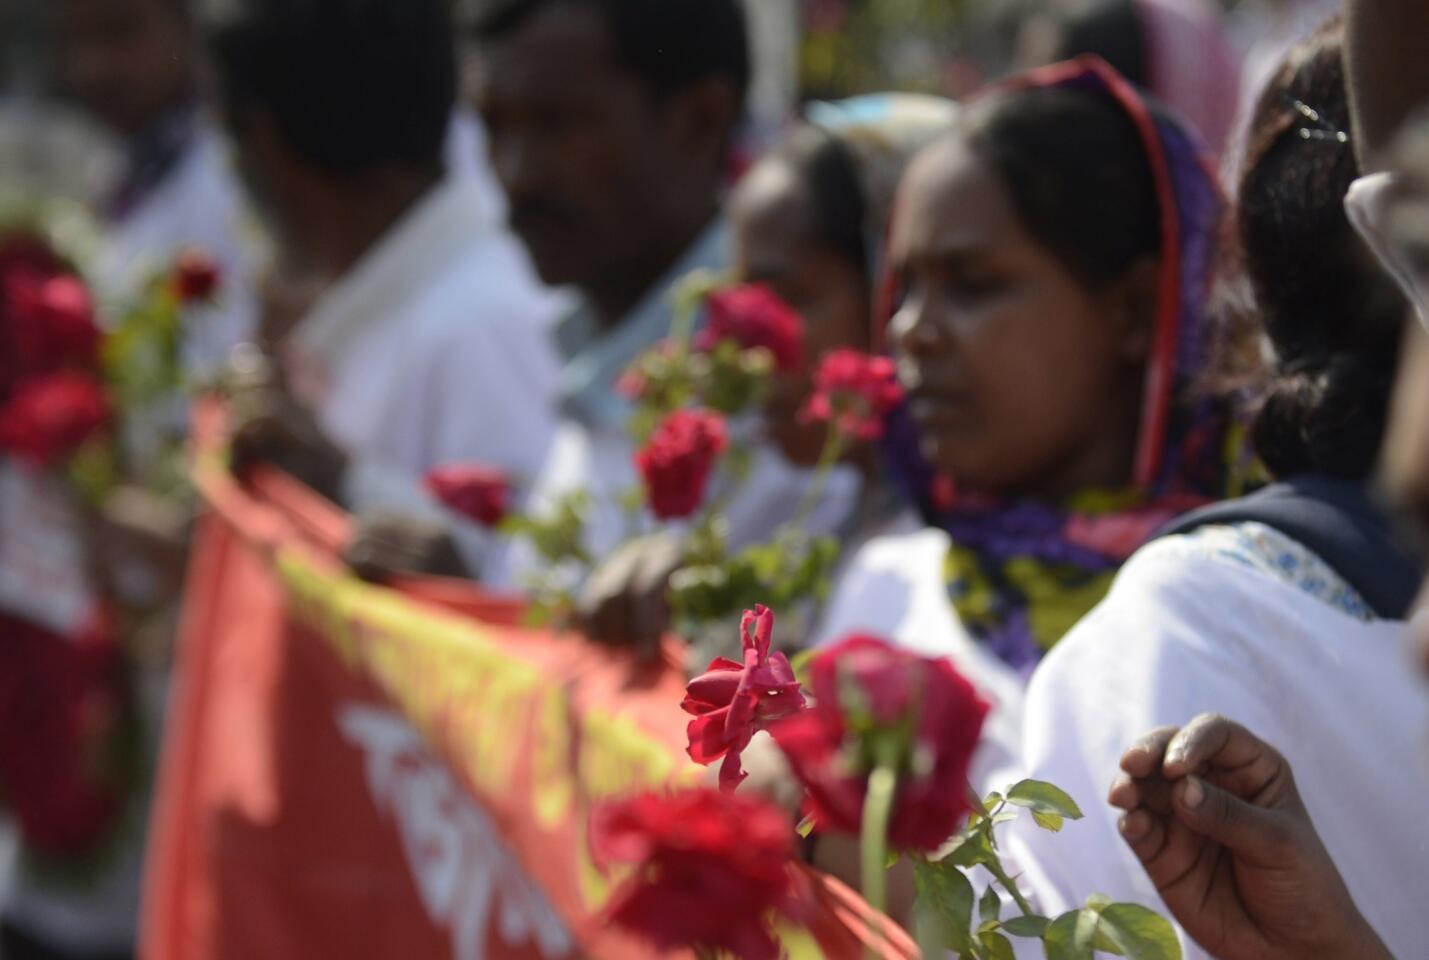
[[873, 842], [1000, 875], [828, 459]]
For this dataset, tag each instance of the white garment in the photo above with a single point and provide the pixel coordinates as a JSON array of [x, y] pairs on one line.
[[1280, 645], [1368, 205], [600, 462], [199, 205], [896, 587], [468, 155], [433, 349]]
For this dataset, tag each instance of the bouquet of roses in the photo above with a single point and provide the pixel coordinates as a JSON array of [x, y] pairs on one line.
[[693, 393], [68, 386], [881, 741]]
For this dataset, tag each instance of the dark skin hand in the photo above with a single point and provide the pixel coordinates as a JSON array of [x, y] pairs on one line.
[[1214, 816], [272, 428], [389, 545], [625, 602]]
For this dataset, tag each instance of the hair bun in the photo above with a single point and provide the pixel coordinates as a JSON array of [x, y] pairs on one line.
[[1324, 417]]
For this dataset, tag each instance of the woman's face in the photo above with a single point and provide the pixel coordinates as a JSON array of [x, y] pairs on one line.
[[1022, 381], [775, 243]]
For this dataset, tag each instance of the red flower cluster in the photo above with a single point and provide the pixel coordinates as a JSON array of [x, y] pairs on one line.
[[196, 278], [50, 417], [710, 867], [677, 461], [865, 689], [753, 316], [50, 398], [479, 493], [46, 317], [856, 391], [53, 322], [732, 701], [62, 706]]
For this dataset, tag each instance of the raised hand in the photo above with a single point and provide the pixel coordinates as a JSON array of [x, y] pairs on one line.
[[1214, 816]]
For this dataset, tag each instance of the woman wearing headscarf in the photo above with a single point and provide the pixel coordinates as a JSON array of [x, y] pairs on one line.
[[1053, 256], [1283, 611]]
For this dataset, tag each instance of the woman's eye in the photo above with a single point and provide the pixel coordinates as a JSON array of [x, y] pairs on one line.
[[973, 286]]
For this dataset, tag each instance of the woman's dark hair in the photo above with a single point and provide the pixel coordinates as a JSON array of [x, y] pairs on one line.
[[1078, 174], [1334, 317], [352, 85], [827, 171]]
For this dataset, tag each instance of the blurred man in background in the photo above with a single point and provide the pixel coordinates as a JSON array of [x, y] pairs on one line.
[[428, 343], [131, 65]]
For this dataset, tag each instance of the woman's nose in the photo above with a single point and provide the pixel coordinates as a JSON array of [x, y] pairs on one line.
[[913, 330]]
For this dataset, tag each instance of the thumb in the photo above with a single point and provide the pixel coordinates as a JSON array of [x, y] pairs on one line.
[[1247, 830]]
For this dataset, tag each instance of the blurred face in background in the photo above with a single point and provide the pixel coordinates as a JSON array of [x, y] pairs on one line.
[[1021, 379], [123, 61], [776, 242], [594, 164]]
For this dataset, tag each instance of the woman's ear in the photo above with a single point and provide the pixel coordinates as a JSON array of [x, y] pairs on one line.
[[1133, 309]]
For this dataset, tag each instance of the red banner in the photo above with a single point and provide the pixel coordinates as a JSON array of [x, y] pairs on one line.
[[362, 772]]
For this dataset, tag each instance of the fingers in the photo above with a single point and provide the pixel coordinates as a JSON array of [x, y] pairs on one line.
[[1125, 793], [610, 607], [624, 602], [1143, 758], [1144, 833], [1254, 834], [389, 545], [1227, 753]]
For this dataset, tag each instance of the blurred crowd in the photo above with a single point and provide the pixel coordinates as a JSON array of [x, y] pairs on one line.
[[1148, 271]]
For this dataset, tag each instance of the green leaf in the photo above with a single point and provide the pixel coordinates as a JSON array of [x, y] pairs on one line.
[[1139, 933], [801, 662], [1043, 797], [1065, 939], [1048, 821], [806, 826], [990, 906], [1029, 926], [945, 904], [996, 947], [989, 926], [968, 851]]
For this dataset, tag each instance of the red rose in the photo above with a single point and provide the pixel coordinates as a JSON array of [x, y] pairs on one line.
[[52, 322], [856, 391], [732, 701], [752, 315], [677, 460], [63, 701], [480, 493], [23, 260], [49, 418], [710, 866], [865, 692], [196, 277]]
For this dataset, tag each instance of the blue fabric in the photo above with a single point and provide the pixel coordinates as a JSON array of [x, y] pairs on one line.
[[1337, 520], [595, 358]]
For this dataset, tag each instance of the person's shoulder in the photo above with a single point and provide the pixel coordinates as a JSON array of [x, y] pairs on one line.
[[1212, 599]]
